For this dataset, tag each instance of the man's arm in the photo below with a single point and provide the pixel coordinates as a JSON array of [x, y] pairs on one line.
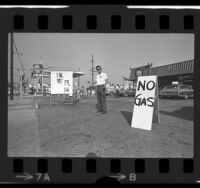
[[106, 81], [106, 78]]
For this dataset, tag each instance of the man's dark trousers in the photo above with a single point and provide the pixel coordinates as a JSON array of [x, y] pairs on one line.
[[101, 98]]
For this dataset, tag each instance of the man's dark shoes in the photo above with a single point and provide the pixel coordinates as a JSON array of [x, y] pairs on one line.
[[104, 112], [98, 111]]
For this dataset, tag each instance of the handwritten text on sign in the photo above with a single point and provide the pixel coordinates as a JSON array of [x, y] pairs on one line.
[[144, 102], [62, 82]]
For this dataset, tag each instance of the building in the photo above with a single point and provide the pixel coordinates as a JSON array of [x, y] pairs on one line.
[[183, 72]]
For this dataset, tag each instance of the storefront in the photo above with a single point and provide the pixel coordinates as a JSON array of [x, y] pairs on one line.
[[183, 72]]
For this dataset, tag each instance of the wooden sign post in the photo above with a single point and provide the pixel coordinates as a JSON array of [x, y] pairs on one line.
[[146, 103]]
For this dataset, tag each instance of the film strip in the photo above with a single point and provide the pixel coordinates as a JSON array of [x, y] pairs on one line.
[[92, 169]]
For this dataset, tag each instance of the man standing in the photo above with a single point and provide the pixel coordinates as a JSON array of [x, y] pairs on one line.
[[101, 81], [138, 73]]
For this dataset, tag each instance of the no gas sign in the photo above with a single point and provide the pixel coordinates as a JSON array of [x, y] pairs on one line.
[[145, 103]]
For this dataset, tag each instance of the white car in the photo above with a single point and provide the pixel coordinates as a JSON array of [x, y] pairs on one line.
[[175, 90]]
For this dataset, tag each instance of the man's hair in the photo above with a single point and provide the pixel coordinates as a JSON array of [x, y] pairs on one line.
[[98, 66], [138, 70]]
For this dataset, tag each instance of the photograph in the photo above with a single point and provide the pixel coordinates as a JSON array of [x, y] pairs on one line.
[[101, 95]]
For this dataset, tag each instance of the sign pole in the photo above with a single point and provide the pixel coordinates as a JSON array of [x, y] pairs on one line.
[[156, 114]]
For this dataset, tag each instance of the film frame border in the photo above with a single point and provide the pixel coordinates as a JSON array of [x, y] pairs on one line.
[[113, 19]]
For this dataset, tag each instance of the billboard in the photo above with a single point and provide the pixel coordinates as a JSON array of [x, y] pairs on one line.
[[37, 69], [62, 82]]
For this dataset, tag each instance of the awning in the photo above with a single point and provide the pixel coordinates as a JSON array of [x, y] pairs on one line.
[[77, 74]]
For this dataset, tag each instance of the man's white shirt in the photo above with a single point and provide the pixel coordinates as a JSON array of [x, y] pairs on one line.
[[101, 78]]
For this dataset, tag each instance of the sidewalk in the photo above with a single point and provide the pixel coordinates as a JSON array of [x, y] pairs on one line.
[[23, 137]]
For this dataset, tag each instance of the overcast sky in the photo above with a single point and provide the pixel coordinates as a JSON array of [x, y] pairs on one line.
[[116, 53]]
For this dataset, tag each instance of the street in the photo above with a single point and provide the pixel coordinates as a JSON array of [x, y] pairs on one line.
[[75, 130]]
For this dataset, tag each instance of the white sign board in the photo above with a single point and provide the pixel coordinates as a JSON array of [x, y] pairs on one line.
[[62, 82], [145, 103]]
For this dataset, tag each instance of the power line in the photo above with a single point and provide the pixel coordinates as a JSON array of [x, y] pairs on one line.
[[55, 56], [92, 69], [18, 68], [18, 54]]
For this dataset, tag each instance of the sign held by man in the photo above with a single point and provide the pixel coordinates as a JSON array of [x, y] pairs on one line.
[[146, 105]]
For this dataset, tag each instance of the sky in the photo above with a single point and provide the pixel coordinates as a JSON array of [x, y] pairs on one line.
[[116, 53]]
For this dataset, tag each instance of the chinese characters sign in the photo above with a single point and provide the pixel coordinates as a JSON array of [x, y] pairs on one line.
[[62, 82]]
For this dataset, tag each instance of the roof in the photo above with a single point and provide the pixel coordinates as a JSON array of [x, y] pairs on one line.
[[183, 67]]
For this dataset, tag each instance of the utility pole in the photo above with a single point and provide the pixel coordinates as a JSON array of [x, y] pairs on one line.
[[11, 66], [21, 85], [92, 61], [92, 70], [22, 74], [78, 79]]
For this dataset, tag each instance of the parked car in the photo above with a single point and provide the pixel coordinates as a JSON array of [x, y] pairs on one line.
[[122, 93], [31, 90], [183, 91], [130, 93], [110, 93], [46, 91], [15, 92], [110, 90]]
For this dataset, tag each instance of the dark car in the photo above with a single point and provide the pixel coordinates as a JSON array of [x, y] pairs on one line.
[[110, 93], [130, 92], [122, 93]]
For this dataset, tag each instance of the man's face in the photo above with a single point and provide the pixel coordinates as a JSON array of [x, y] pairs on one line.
[[99, 70]]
